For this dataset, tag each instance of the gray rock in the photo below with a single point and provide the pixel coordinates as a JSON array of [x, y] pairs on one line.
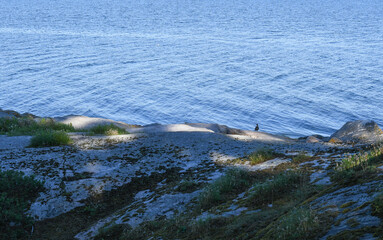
[[312, 139], [11, 114], [360, 131], [7, 113]]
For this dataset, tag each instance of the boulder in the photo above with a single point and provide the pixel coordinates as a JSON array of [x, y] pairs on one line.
[[312, 139], [361, 131]]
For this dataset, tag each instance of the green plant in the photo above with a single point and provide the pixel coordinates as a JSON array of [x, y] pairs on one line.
[[301, 223], [301, 157], [356, 167], [16, 194], [277, 187], [261, 155], [29, 126], [377, 205], [187, 186], [234, 181], [50, 138], [109, 130], [111, 232], [16, 185]]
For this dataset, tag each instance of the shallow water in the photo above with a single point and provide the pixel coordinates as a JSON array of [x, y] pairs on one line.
[[295, 67]]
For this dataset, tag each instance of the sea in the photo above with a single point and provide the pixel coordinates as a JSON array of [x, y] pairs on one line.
[[295, 67]]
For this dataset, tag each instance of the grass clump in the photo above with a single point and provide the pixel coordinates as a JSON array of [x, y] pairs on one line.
[[109, 130], [358, 167], [50, 138], [301, 157], [187, 186], [234, 181], [16, 195], [301, 223], [277, 187], [261, 156], [30, 126], [112, 232]]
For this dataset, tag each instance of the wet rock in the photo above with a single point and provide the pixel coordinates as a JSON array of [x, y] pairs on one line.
[[359, 132]]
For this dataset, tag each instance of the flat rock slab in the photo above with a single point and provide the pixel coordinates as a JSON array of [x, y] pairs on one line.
[[84, 122], [14, 142]]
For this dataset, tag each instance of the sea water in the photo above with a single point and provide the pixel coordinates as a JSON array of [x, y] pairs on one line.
[[296, 67]]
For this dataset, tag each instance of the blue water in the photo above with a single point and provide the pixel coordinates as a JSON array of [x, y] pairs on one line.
[[296, 67]]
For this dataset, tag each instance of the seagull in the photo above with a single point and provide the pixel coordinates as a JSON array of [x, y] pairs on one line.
[[256, 128]]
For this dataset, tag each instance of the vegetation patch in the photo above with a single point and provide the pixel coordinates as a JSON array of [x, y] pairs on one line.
[[377, 206], [219, 194], [112, 232], [30, 126], [50, 138], [245, 226], [299, 223], [277, 187], [262, 155], [109, 130], [67, 225], [356, 168], [187, 186], [17, 192], [301, 157], [234, 181]]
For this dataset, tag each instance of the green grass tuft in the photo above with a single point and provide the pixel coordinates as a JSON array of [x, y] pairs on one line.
[[301, 223], [276, 188], [17, 192], [29, 126], [357, 167], [187, 186], [50, 138], [234, 181], [301, 157], [109, 130], [261, 156]]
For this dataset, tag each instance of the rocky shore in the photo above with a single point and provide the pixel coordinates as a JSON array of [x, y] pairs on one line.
[[100, 186]]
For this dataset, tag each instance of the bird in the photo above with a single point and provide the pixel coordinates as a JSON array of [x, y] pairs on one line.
[[256, 128]]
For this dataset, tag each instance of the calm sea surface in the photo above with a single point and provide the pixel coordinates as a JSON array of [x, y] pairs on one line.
[[296, 67]]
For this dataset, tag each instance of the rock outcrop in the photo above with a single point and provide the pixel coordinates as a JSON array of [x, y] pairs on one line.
[[159, 172], [361, 131], [11, 114]]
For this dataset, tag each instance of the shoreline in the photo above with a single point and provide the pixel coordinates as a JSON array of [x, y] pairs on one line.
[[99, 181], [360, 131], [287, 133]]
